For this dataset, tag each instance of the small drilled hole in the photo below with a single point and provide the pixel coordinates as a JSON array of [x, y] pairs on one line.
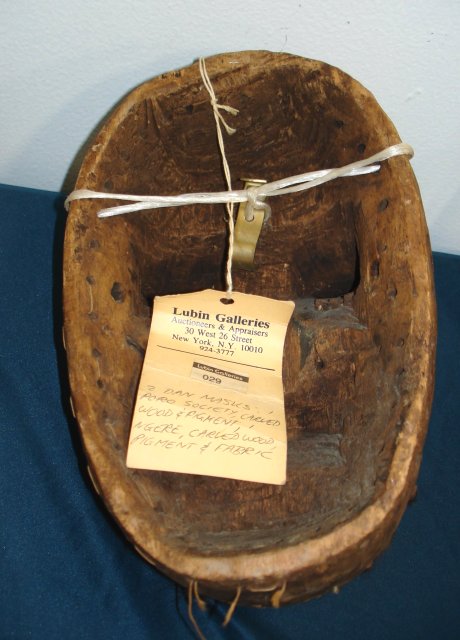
[[383, 204], [362, 147], [319, 363], [117, 292], [339, 124], [227, 300]]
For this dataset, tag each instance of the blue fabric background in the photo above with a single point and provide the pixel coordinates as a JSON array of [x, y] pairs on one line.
[[65, 569]]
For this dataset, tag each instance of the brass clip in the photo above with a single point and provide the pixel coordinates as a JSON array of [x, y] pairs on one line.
[[247, 232]]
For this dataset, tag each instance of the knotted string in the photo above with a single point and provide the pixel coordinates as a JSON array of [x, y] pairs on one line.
[[229, 205], [215, 105], [254, 197]]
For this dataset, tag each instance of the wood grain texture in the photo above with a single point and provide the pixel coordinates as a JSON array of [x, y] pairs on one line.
[[359, 356]]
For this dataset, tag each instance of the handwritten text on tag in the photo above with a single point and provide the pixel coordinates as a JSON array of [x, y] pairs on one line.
[[210, 399]]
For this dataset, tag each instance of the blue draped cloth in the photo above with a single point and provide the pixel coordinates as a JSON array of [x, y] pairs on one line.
[[67, 572]]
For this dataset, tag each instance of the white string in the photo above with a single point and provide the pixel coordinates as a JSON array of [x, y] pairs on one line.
[[292, 184], [254, 196], [215, 105], [229, 205]]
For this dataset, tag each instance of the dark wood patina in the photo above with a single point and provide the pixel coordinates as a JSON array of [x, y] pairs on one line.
[[359, 356]]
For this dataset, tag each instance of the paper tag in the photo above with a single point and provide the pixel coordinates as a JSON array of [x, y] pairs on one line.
[[210, 398]]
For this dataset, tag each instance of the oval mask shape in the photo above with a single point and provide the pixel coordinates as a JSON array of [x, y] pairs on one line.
[[358, 360]]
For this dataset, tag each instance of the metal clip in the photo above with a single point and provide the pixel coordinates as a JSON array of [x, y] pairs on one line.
[[250, 219]]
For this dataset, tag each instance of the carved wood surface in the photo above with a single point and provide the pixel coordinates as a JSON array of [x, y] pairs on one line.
[[359, 355]]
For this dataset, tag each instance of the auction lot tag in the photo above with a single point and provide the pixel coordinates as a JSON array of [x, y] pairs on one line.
[[210, 398]]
